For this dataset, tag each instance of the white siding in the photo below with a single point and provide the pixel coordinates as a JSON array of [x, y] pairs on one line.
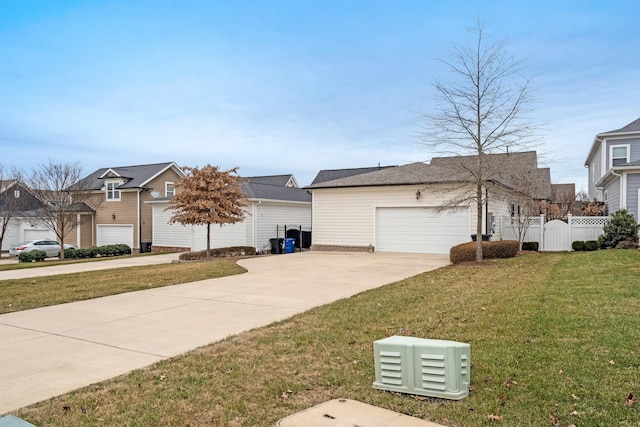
[[346, 216], [261, 220], [272, 216], [421, 230], [115, 234], [165, 234], [221, 237]]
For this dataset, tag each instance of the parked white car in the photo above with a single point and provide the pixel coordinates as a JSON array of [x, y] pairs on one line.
[[51, 247]]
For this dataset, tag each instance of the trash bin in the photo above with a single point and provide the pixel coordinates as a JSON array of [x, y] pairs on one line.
[[276, 247], [145, 247], [289, 246], [485, 237]]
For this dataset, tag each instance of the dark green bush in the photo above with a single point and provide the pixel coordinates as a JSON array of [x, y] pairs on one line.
[[33, 256], [498, 249], [529, 246], [94, 252], [591, 245], [578, 245], [218, 252], [621, 226]]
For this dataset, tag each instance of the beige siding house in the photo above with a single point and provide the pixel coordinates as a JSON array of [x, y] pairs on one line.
[[118, 195], [421, 208]]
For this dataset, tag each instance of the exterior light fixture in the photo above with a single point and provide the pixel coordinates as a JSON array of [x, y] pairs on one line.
[[418, 194]]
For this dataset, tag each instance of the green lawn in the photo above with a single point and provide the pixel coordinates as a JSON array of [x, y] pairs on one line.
[[23, 294], [555, 340]]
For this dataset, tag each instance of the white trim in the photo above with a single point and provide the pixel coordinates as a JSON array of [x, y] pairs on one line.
[[115, 190], [170, 166], [623, 190], [111, 173], [611, 148], [166, 192]]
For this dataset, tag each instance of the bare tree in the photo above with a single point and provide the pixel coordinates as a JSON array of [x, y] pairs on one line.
[[208, 196], [10, 201], [481, 110], [52, 183]]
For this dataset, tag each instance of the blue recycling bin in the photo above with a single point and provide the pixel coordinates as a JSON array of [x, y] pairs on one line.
[[289, 246]]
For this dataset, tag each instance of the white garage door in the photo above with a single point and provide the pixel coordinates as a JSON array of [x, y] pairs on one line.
[[421, 230], [31, 234], [115, 234]]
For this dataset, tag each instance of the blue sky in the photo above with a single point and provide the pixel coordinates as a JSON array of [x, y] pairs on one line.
[[279, 87]]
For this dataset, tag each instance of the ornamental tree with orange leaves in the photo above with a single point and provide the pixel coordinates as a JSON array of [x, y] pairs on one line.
[[208, 196]]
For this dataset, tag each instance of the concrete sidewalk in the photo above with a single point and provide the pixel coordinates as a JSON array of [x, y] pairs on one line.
[[49, 351], [80, 267]]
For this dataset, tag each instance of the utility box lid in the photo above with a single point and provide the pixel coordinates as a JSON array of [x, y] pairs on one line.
[[13, 421], [348, 413]]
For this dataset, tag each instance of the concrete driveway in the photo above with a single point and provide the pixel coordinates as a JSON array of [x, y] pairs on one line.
[[49, 351]]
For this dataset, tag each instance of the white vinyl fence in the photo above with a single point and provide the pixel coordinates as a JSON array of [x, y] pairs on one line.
[[556, 235]]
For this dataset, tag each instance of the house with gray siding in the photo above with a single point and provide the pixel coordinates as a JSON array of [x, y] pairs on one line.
[[614, 168]]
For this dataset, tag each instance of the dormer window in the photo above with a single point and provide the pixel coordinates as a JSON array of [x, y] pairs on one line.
[[169, 189], [619, 155], [113, 194]]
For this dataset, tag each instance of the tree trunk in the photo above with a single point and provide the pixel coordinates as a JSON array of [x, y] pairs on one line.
[[208, 240], [479, 255]]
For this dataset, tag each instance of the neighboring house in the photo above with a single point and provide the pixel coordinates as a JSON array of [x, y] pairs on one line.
[[19, 202], [273, 202], [614, 169], [118, 196], [410, 208]]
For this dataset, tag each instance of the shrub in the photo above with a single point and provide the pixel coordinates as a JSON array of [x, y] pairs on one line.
[[218, 252], [94, 252], [591, 245], [626, 244], [33, 256], [621, 226], [497, 249], [529, 246], [578, 245]]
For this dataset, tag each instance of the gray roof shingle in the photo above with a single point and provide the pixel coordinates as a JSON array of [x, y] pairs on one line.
[[255, 190], [630, 128], [281, 180], [505, 169], [333, 174], [136, 176]]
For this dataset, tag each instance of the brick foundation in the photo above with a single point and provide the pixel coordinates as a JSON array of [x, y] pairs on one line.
[[338, 248]]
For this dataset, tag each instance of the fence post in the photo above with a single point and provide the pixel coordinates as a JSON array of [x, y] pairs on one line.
[[570, 222], [541, 248]]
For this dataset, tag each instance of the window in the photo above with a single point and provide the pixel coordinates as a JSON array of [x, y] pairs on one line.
[[169, 189], [619, 155], [16, 194], [112, 191]]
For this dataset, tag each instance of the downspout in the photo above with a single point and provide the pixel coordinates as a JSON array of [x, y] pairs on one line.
[[140, 220], [486, 210]]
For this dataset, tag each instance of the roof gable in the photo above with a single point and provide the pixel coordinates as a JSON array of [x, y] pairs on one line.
[[282, 180], [134, 176], [632, 127]]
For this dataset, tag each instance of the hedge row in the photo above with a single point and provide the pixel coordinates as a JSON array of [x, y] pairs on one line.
[[33, 256], [100, 251], [218, 252], [497, 249], [588, 245]]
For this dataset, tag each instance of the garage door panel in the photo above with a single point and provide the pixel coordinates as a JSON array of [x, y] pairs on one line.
[[421, 230], [115, 234]]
